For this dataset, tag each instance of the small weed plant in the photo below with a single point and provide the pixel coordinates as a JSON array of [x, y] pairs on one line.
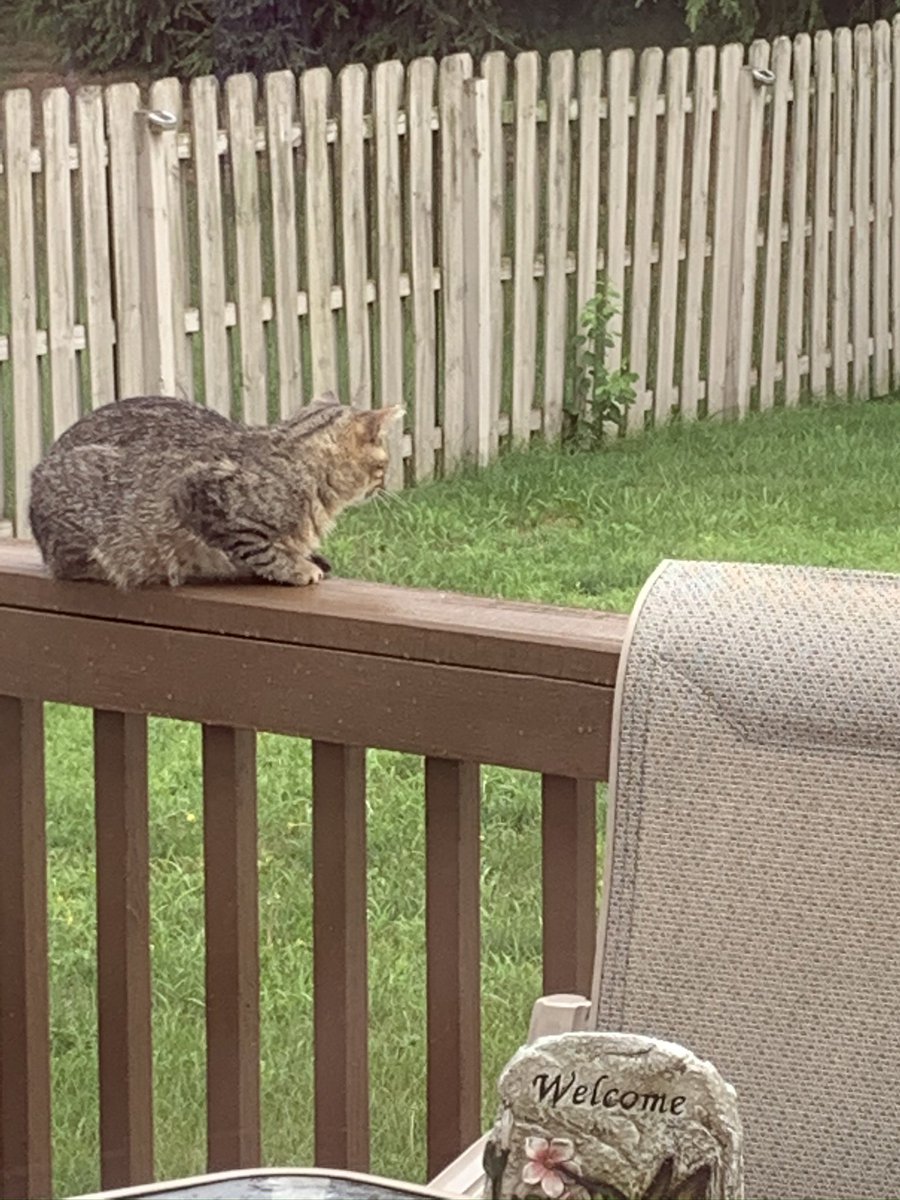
[[601, 396]]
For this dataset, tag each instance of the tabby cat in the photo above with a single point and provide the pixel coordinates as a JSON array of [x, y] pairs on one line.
[[157, 490]]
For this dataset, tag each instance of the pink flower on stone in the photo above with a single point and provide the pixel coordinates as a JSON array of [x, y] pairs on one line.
[[544, 1159]]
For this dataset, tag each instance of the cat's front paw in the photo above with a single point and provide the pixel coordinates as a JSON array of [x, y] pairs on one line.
[[297, 573], [310, 574]]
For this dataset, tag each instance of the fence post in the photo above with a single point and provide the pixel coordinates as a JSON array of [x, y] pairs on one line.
[[155, 131], [477, 293], [753, 83]]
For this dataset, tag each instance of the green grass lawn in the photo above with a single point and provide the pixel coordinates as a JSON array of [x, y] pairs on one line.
[[815, 486]]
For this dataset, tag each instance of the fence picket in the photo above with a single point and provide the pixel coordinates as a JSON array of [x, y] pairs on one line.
[[621, 64], [388, 92], [494, 70], [316, 97], [420, 103], [843, 107], [819, 324], [590, 91], [771, 309], [650, 75], [895, 205], [730, 60], [60, 260], [559, 158], [95, 243], [477, 297], [167, 94], [677, 65], [881, 378], [742, 301], [281, 111], [211, 237], [453, 71], [123, 100], [170, 264], [796, 295], [240, 96], [524, 290], [352, 88], [23, 287], [862, 199], [701, 139]]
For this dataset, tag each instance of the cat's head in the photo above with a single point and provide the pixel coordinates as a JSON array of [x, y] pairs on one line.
[[363, 442], [348, 443]]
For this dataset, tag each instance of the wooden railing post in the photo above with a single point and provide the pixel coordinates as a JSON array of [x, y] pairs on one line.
[[123, 948], [569, 879], [340, 972], [24, 1007], [452, 829], [232, 948]]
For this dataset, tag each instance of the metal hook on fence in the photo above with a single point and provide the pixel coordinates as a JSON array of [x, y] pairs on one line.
[[763, 76], [158, 118]]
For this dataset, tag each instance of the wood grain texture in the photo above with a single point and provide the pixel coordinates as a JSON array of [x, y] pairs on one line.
[[772, 280], [677, 65], [94, 199], [27, 434], [561, 84], [797, 290], [232, 948], [340, 968], [452, 914], [281, 112], [638, 332], [843, 107], [240, 96], [122, 102], [454, 70], [60, 250], [352, 88], [387, 91], [881, 241], [419, 108], [701, 138], [211, 233], [726, 133], [475, 714], [862, 200], [123, 949], [375, 619], [569, 878], [315, 94], [527, 74], [25, 1167], [821, 243]]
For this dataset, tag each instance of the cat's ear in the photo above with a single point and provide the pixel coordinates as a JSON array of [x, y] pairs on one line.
[[376, 420]]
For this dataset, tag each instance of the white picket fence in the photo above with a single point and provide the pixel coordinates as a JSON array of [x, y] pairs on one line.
[[432, 232]]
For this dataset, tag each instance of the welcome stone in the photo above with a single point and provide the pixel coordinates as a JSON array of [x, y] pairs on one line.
[[614, 1115]]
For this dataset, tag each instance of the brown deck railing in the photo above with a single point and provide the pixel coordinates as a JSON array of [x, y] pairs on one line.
[[460, 681]]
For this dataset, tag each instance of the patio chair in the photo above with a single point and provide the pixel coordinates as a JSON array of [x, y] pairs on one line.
[[752, 890]]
